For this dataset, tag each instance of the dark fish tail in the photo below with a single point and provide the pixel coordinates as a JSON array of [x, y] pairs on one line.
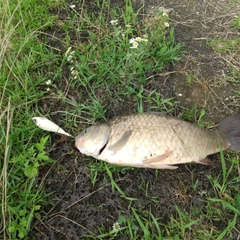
[[231, 128]]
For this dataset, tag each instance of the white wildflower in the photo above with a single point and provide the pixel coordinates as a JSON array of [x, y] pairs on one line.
[[69, 58], [114, 22], [165, 14], [74, 73], [72, 6], [68, 51], [145, 38], [134, 45], [48, 89], [116, 226], [128, 25], [48, 82], [138, 39], [132, 40], [166, 24]]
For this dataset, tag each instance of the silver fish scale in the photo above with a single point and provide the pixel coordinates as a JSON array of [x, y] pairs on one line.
[[159, 139]]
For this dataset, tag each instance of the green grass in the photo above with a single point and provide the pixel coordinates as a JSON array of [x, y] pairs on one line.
[[105, 60], [223, 45], [79, 69], [228, 49], [22, 58], [191, 77], [236, 23], [225, 199]]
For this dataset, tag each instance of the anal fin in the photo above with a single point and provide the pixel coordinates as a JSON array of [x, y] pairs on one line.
[[205, 161], [157, 166], [165, 166]]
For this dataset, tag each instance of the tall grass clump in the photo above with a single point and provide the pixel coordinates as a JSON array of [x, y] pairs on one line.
[[119, 53], [23, 58]]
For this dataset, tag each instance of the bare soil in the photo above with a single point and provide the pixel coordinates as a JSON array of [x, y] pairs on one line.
[[77, 207]]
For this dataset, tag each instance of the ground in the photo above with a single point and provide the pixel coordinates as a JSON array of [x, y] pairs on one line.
[[77, 208]]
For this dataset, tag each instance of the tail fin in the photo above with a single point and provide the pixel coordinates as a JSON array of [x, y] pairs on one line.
[[231, 127]]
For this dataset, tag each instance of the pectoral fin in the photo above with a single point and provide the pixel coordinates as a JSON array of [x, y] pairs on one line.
[[117, 146]]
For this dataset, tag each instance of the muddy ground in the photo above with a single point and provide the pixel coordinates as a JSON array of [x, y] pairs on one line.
[[77, 207]]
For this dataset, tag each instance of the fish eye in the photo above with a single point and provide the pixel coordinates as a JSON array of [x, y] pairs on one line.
[[86, 130]]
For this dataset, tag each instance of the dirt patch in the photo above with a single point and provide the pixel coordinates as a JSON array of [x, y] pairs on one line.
[[195, 24], [77, 207]]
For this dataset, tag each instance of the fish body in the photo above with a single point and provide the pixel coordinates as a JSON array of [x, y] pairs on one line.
[[155, 140]]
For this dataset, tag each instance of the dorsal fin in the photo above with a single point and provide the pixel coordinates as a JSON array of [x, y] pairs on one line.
[[158, 113]]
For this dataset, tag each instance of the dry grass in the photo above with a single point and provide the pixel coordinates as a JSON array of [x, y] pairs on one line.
[[5, 120]]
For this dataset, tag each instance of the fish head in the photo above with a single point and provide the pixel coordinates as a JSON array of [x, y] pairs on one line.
[[92, 140]]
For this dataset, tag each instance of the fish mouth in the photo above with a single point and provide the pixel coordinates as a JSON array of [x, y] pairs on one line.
[[76, 141]]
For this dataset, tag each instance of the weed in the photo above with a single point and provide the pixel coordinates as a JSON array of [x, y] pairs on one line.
[[23, 200], [193, 115], [114, 185], [224, 180], [30, 159], [153, 99], [135, 226], [225, 46], [183, 224], [191, 77], [237, 201], [228, 49], [236, 22], [226, 187], [100, 167]]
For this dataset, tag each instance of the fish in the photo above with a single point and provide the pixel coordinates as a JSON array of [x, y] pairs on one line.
[[157, 140], [49, 126]]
